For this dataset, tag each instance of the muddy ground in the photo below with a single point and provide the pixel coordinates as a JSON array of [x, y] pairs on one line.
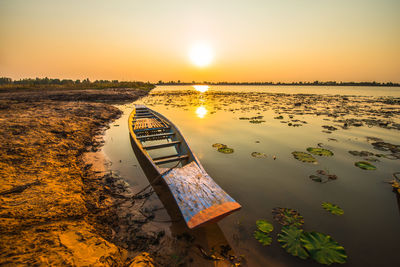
[[55, 200]]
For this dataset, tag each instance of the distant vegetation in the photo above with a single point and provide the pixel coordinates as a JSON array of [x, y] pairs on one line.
[[48, 83], [317, 83]]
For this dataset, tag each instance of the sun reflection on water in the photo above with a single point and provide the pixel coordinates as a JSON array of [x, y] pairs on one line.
[[201, 88], [201, 112]]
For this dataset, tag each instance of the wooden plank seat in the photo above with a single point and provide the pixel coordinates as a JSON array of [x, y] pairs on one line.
[[160, 130], [162, 145], [143, 114], [169, 159], [155, 136], [144, 117]]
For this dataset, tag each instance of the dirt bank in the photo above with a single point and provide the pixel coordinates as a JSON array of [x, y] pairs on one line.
[[52, 203]]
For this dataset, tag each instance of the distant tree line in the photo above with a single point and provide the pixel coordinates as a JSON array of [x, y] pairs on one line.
[[70, 84], [318, 83]]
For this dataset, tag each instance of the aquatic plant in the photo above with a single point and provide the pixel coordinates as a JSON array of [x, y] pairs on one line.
[[323, 177], [304, 157], [290, 240], [263, 238], [286, 216], [223, 148], [279, 117], [226, 150], [258, 155], [318, 179], [320, 247], [256, 121], [323, 248], [320, 151], [329, 128], [264, 226], [219, 145], [365, 165], [384, 146], [262, 234], [361, 153], [334, 209]]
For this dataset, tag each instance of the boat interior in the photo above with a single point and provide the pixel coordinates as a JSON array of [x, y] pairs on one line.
[[159, 139]]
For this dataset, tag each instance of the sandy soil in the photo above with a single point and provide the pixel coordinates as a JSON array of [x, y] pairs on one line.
[[53, 203]]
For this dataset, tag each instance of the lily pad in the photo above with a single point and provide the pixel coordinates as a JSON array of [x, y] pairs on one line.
[[323, 248], [263, 238], [226, 150], [279, 117], [365, 165], [320, 151], [304, 157], [264, 226], [290, 239], [329, 128], [361, 153], [287, 216], [219, 145], [323, 177], [334, 209], [316, 178], [258, 155], [256, 121]]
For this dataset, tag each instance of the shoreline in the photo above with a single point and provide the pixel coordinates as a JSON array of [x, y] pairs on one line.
[[54, 201]]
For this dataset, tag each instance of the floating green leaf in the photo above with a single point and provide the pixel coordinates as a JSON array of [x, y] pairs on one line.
[[264, 226], [263, 238], [219, 145], [256, 121], [280, 117], [334, 209], [225, 150], [287, 216], [316, 178], [291, 242], [320, 151], [365, 165], [323, 248], [258, 155], [304, 157], [323, 177], [361, 153]]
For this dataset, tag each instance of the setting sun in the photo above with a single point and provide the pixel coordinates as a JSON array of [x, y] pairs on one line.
[[201, 88], [201, 54]]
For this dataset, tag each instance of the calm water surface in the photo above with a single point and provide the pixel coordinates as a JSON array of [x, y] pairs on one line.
[[369, 229]]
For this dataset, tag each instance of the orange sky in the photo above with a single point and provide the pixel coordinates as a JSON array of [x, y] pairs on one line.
[[265, 40]]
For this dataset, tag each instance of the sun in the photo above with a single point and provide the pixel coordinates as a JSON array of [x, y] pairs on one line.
[[201, 54]]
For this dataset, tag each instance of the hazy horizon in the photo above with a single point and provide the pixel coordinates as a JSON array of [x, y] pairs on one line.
[[278, 41]]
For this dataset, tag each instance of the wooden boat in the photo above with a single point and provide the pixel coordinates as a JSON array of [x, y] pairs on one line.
[[164, 155]]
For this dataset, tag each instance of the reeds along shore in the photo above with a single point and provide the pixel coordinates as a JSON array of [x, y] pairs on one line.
[[52, 203]]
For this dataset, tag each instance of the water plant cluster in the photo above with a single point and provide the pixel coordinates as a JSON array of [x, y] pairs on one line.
[[299, 243], [223, 148]]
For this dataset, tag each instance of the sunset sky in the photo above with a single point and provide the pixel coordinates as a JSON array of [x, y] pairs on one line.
[[265, 40]]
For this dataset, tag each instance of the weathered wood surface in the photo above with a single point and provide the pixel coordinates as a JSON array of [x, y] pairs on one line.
[[198, 197], [147, 123]]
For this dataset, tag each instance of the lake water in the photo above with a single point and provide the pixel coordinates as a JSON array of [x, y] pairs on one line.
[[369, 229]]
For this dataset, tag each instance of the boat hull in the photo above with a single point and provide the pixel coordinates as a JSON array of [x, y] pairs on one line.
[[199, 199]]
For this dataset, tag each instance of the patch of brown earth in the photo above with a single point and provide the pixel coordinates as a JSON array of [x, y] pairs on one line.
[[51, 202]]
